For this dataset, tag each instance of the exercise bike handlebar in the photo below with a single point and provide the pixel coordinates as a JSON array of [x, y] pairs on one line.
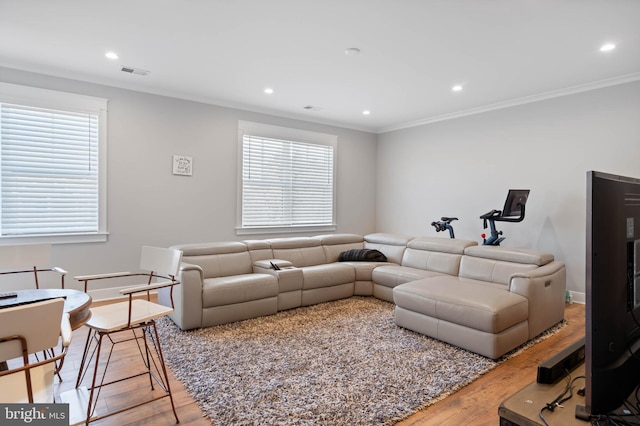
[[496, 215], [445, 224]]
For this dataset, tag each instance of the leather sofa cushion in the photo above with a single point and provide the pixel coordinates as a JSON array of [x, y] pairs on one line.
[[334, 244], [223, 265], [259, 249], [237, 289], [490, 270], [337, 239], [441, 245], [393, 246], [445, 263], [508, 254], [293, 242], [364, 270], [393, 275], [218, 259], [210, 248], [300, 251], [474, 304], [332, 252], [388, 239], [327, 275]]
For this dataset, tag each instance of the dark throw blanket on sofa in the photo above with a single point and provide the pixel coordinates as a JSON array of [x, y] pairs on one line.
[[362, 255]]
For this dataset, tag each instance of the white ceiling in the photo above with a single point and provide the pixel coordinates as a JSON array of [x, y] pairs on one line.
[[225, 52]]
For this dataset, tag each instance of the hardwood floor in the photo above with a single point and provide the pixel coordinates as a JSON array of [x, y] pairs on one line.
[[475, 404]]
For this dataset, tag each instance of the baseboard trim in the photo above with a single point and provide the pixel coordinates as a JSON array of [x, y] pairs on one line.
[[577, 297]]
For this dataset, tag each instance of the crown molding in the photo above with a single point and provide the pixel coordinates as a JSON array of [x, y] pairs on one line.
[[628, 78]]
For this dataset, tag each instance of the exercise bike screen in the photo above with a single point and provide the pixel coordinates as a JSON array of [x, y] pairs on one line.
[[516, 200]]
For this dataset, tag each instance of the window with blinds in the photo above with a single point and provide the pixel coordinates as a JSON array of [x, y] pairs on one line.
[[49, 171], [286, 183]]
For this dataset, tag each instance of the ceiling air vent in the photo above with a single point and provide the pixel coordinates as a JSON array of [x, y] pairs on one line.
[[137, 71], [312, 108]]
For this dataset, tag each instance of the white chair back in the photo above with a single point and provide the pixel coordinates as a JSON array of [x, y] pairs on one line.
[[39, 323], [160, 260]]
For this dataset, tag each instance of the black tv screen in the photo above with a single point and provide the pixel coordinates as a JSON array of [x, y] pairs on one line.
[[612, 338]]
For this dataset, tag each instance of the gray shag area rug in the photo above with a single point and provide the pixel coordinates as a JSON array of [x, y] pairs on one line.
[[342, 362]]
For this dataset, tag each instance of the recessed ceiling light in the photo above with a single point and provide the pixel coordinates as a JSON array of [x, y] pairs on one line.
[[366, 112], [457, 88], [352, 51], [607, 47], [268, 91], [111, 55]]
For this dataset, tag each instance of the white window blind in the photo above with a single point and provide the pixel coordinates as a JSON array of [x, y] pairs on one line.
[[286, 183], [49, 171]]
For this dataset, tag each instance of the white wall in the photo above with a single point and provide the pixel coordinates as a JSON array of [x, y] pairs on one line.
[[464, 167], [147, 205], [460, 167]]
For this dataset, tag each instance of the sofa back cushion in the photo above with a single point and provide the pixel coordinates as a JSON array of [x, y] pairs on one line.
[[392, 246], [219, 259], [334, 244], [259, 249], [300, 251], [435, 254], [441, 245], [445, 263], [497, 264], [510, 254]]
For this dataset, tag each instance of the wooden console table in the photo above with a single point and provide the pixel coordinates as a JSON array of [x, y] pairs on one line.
[[523, 408]]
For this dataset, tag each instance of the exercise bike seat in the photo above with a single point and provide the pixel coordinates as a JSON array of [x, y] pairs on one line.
[[448, 219]]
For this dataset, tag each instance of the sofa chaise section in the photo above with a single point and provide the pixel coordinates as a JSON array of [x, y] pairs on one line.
[[499, 299]]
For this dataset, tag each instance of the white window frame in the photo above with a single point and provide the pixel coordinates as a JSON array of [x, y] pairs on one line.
[[286, 134], [64, 101]]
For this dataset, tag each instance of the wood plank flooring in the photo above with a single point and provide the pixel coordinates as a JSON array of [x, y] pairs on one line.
[[475, 404]]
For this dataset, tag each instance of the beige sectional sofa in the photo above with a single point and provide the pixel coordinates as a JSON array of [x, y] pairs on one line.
[[485, 299]]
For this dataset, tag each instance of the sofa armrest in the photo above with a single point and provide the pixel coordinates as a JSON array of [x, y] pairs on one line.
[[544, 288], [187, 297], [546, 270]]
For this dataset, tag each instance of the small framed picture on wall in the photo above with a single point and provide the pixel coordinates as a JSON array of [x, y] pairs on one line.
[[182, 165]]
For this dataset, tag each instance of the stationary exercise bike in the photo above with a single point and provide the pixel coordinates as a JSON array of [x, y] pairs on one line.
[[445, 224], [514, 209], [513, 212]]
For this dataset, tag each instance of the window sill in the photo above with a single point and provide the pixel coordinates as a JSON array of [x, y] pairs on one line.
[[97, 237], [284, 229]]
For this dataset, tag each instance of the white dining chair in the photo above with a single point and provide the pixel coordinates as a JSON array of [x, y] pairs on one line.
[[130, 321], [26, 331]]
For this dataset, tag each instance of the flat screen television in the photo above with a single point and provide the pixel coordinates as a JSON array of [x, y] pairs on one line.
[[612, 338]]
